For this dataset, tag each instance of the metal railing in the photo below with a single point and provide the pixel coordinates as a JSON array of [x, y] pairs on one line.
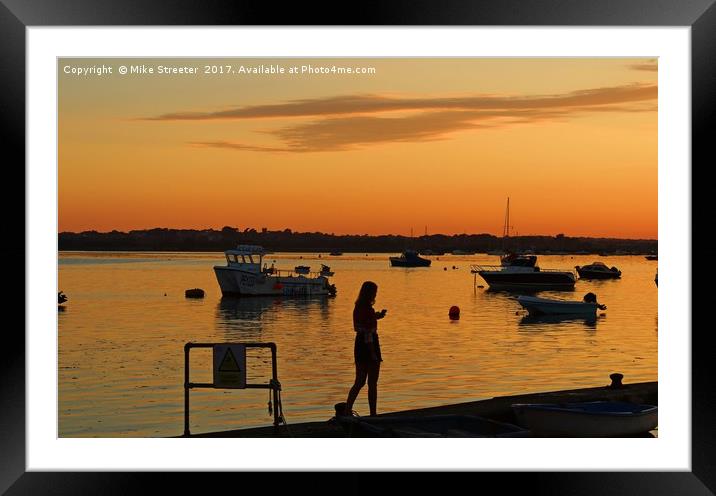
[[273, 384]]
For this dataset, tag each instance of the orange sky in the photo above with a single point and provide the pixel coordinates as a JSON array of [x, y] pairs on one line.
[[439, 143]]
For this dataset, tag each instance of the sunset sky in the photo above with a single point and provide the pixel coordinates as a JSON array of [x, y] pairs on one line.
[[422, 142]]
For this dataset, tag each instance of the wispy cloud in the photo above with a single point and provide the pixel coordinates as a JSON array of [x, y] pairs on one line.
[[650, 66], [346, 122], [368, 104]]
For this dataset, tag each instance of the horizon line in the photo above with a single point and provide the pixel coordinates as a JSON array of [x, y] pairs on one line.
[[292, 232]]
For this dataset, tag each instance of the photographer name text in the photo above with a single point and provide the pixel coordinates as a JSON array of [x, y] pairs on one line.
[[214, 70]]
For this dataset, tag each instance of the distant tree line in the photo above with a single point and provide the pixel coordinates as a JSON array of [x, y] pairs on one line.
[[163, 239]]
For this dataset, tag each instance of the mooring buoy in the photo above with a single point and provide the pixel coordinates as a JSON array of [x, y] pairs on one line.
[[194, 293]]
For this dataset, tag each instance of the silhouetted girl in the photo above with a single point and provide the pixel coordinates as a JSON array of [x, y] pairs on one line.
[[367, 347]]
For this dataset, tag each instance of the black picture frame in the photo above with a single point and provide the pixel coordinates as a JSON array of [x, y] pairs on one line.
[[17, 15]]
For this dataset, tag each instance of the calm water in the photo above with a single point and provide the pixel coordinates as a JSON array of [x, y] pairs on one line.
[[121, 339]]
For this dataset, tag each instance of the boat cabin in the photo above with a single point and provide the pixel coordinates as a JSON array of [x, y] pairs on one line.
[[246, 257]]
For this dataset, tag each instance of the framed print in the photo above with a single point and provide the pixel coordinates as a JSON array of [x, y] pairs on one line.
[[176, 157]]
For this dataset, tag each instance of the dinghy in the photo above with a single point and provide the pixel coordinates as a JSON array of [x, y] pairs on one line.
[[589, 419], [547, 306]]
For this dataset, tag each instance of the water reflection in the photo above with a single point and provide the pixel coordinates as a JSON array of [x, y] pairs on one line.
[[539, 320], [252, 313], [244, 308]]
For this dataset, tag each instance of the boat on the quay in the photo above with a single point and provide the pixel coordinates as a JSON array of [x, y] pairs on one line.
[[550, 306], [409, 258], [246, 274], [428, 426], [598, 270], [587, 419]]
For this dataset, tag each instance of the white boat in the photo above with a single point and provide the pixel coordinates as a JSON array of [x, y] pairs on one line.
[[520, 271], [589, 419], [245, 274], [547, 306]]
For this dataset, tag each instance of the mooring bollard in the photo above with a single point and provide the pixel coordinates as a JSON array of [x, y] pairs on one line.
[[616, 380]]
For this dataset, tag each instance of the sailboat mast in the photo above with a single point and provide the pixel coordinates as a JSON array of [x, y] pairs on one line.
[[506, 230]]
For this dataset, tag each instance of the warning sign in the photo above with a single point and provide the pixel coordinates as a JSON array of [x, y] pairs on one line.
[[229, 366]]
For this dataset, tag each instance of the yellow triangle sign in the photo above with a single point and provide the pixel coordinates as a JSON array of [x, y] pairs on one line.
[[228, 363]]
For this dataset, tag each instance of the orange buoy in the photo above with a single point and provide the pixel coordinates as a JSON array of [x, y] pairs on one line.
[[454, 313]]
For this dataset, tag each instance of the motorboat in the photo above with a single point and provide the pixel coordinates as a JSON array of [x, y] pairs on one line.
[[245, 274], [512, 277], [61, 298], [520, 271], [587, 419], [302, 269], [409, 258], [428, 426], [598, 270], [336, 253], [549, 306], [652, 257]]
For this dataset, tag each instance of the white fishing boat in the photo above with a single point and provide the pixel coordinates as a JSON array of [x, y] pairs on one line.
[[589, 419], [246, 274], [548, 306]]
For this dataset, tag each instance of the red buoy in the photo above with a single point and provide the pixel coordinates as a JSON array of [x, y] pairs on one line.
[[454, 313]]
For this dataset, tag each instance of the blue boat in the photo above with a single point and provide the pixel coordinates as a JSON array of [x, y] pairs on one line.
[[428, 426], [588, 419]]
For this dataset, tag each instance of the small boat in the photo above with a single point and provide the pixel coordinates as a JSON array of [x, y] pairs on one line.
[[520, 271], [656, 278], [431, 252], [547, 306], [598, 270], [302, 269], [326, 271], [336, 253], [463, 252], [589, 419], [409, 258], [428, 426], [245, 274], [652, 257], [509, 277], [61, 298]]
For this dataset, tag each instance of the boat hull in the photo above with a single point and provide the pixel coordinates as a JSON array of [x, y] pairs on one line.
[[398, 262], [596, 419], [593, 274], [543, 306], [528, 280], [235, 282]]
